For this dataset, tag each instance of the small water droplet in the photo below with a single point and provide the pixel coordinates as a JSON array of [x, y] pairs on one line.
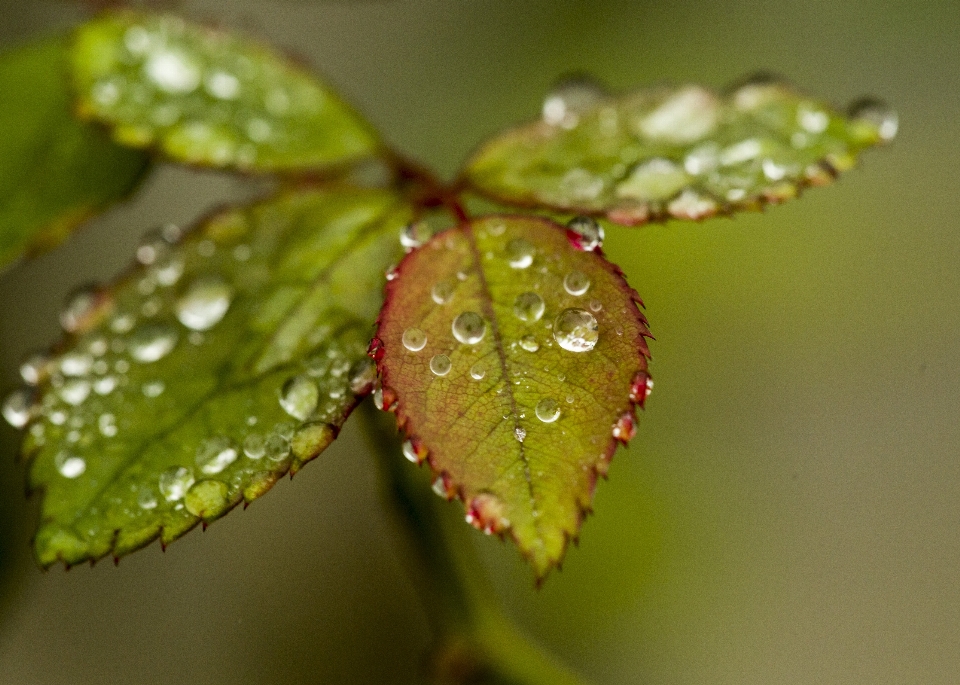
[[548, 410], [146, 499], [105, 385], [74, 391], [576, 330], [528, 307], [378, 398], [82, 307], [570, 399], [576, 283], [222, 85], [123, 323], [692, 205], [876, 114], [440, 365], [69, 465], [520, 434], [363, 375], [205, 303], [168, 270], [529, 343], [469, 328], [414, 235], [277, 447], [442, 291], [75, 364], [174, 482], [107, 423], [299, 397], [19, 407], [152, 342], [440, 487], [520, 253], [172, 71], [254, 446], [215, 454], [410, 452], [153, 388], [569, 99], [587, 233], [625, 428], [477, 372], [683, 117], [414, 339], [35, 368]]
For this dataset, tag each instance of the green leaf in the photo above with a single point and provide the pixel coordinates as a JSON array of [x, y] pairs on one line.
[[211, 98], [213, 368], [513, 361], [684, 153], [54, 171]]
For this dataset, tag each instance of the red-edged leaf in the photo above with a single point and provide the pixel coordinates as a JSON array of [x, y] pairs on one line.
[[513, 361]]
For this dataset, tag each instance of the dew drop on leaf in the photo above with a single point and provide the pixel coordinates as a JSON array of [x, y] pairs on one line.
[[469, 328], [587, 233], [414, 339], [569, 99], [277, 447], [410, 452], [173, 72], [204, 304], [69, 465], [75, 364], [254, 446], [442, 291], [576, 330], [414, 234], [174, 483], [440, 365], [299, 397], [548, 410], [146, 499], [80, 308], [477, 372], [18, 407], [529, 343], [576, 283], [520, 434], [153, 388], [877, 114], [152, 342], [75, 391], [215, 454], [520, 253], [529, 307], [363, 375], [440, 487], [107, 423]]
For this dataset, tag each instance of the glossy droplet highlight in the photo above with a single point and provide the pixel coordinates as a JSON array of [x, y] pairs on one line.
[[204, 304], [107, 423], [520, 434], [576, 330], [255, 446], [529, 343], [414, 339], [585, 233], [146, 499], [570, 99], [69, 465], [442, 291], [174, 483], [469, 328], [576, 283], [410, 452], [299, 397], [477, 372], [152, 342], [18, 408], [876, 114], [440, 365], [528, 307], [35, 369], [172, 72], [215, 454], [520, 253], [548, 410], [414, 235]]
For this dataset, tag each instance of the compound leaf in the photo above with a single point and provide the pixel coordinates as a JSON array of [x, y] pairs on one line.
[[217, 365], [211, 98], [683, 153], [513, 361], [54, 170]]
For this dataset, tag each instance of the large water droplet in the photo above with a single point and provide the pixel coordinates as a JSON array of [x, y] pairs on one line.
[[414, 339], [876, 114], [442, 291], [174, 482], [440, 365], [215, 454], [587, 233], [571, 98], [19, 408], [299, 397], [152, 342], [520, 253], [469, 328], [69, 465], [205, 303], [576, 330], [576, 283], [528, 307], [173, 72], [548, 410], [529, 343]]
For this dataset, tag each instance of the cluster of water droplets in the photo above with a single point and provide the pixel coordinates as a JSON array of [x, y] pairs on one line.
[[208, 97]]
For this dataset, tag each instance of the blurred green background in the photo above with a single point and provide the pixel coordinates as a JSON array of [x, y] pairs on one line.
[[790, 510]]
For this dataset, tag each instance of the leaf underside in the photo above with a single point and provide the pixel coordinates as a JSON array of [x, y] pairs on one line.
[[516, 424], [210, 98], [213, 368], [685, 152], [55, 172]]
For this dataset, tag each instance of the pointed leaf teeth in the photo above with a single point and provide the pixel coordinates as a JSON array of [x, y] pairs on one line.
[[485, 340]]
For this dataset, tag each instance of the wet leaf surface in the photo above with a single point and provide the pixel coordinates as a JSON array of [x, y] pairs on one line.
[[513, 361], [211, 98], [684, 152], [217, 365], [55, 171]]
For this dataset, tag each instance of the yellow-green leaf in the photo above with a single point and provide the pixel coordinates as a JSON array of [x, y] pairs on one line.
[[210, 97], [682, 153], [54, 170], [217, 365], [513, 361]]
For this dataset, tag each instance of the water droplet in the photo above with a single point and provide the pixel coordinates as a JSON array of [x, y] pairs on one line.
[[571, 399], [744, 151], [440, 365], [378, 398], [277, 447], [486, 512], [173, 72], [587, 233], [174, 482], [529, 307], [414, 235], [529, 343], [477, 372], [19, 408], [299, 397], [123, 323], [625, 428], [152, 342], [215, 454], [520, 253], [570, 99], [812, 119], [576, 283], [414, 339], [204, 304], [363, 375], [153, 388], [35, 368], [876, 114], [167, 271], [692, 205], [82, 307], [105, 385], [576, 330], [442, 291], [255, 446], [683, 117], [548, 410], [410, 452], [469, 328], [146, 499], [581, 185], [441, 488], [520, 434], [74, 391], [757, 90], [75, 364], [595, 306], [641, 387], [69, 465], [655, 180], [222, 85]]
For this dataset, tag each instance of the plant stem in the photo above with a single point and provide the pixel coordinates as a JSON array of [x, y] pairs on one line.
[[475, 641]]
